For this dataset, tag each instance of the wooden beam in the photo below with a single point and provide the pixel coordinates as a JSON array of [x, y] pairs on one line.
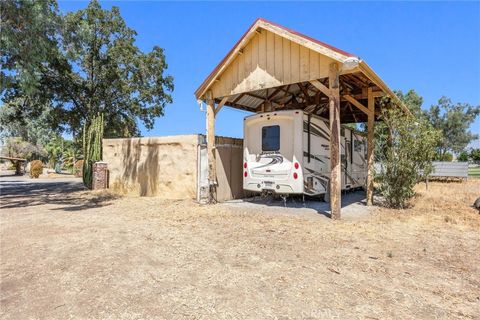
[[305, 92], [370, 145], [356, 103], [335, 169], [321, 87], [220, 105], [364, 96], [212, 170]]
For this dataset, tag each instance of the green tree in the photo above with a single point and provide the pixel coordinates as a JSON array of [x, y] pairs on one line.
[[16, 147], [17, 121], [454, 121], [412, 100], [463, 156], [405, 147], [28, 43], [447, 156], [28, 39], [475, 154], [86, 63], [108, 74]]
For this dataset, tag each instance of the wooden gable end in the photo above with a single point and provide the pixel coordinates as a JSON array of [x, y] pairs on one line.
[[269, 60]]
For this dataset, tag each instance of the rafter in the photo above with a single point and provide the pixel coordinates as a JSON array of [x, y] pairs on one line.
[[356, 103], [220, 105], [321, 87]]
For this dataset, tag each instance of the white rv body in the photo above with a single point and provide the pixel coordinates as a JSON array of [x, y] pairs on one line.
[[288, 152]]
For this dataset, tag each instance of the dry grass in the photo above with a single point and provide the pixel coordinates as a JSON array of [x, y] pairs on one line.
[[443, 202], [142, 258]]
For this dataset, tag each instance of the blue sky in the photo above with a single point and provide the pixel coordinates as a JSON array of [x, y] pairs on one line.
[[432, 47]]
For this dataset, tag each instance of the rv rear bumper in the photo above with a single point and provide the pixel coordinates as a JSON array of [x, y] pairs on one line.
[[280, 188]]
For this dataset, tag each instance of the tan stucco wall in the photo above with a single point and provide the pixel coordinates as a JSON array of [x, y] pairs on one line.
[[165, 167]]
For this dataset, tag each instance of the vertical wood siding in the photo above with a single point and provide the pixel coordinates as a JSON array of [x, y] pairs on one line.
[[269, 60]]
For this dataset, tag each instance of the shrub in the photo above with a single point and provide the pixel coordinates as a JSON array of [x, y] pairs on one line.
[[407, 151], [447, 157], [78, 168], [36, 168], [463, 156], [475, 154]]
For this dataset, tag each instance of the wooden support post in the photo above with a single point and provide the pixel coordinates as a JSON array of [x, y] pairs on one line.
[[370, 146], [335, 169], [212, 172]]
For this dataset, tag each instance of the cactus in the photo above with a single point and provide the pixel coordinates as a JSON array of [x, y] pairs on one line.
[[92, 147]]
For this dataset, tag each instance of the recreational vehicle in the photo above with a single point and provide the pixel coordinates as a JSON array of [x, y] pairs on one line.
[[288, 152]]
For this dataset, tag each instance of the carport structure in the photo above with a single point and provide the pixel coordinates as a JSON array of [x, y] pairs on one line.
[[274, 68]]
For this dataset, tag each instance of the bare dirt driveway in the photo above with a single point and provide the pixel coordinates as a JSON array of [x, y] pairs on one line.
[[68, 253]]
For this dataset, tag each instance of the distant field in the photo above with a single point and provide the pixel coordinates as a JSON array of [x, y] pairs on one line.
[[474, 172]]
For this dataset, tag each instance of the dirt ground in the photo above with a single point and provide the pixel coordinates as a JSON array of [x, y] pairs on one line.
[[68, 253]]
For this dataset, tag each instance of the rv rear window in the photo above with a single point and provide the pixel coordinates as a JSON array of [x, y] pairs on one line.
[[271, 138]]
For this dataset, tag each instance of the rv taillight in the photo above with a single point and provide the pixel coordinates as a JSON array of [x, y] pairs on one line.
[[295, 175], [245, 174], [245, 165], [296, 165]]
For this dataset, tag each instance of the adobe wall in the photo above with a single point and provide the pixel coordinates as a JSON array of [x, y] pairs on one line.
[[165, 167]]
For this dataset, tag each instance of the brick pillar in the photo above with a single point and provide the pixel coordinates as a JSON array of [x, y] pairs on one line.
[[100, 176]]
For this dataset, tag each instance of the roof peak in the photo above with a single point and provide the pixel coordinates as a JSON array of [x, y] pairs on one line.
[[260, 19], [301, 39]]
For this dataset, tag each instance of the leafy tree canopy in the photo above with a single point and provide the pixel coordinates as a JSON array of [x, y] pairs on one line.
[[412, 100], [28, 40], [16, 120], [454, 121], [463, 156], [475, 154], [86, 63], [16, 147]]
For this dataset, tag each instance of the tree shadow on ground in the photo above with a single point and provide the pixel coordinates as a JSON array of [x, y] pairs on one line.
[[72, 195]]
